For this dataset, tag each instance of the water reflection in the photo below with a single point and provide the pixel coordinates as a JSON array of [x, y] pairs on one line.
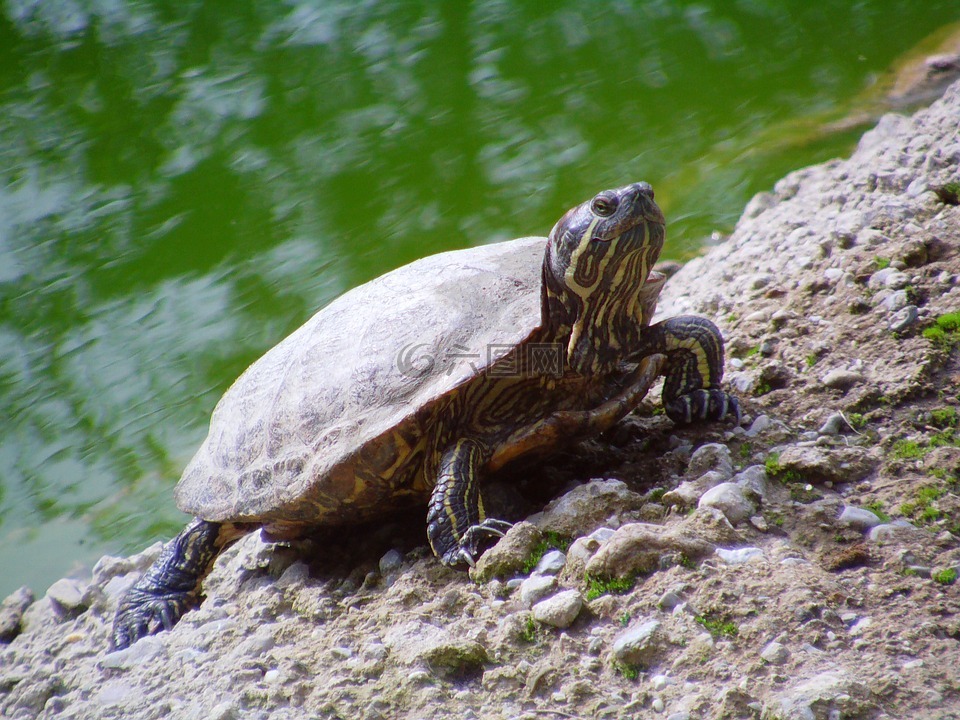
[[183, 184]]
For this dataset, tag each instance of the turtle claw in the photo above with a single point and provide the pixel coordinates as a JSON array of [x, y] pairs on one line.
[[474, 541], [703, 406], [142, 613]]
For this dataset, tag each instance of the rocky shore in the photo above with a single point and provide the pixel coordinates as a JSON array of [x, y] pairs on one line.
[[804, 565]]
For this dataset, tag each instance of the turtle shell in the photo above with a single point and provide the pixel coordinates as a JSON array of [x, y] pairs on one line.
[[290, 428]]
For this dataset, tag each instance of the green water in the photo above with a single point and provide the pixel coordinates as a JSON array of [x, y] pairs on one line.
[[182, 184]]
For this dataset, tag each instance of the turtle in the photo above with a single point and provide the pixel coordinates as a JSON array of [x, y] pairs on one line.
[[409, 389]]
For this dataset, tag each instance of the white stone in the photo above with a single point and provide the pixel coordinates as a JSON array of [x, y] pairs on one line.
[[740, 555], [775, 653], [560, 610], [551, 563], [639, 644], [729, 499], [858, 518], [535, 588]]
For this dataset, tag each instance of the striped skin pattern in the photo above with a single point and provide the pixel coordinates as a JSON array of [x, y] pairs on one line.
[[598, 356]]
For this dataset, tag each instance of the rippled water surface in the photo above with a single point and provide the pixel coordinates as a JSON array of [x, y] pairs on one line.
[[182, 184]]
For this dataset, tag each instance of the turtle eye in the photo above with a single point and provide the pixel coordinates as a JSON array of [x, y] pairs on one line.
[[604, 205]]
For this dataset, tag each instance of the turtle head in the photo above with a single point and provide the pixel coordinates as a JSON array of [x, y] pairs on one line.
[[598, 258]]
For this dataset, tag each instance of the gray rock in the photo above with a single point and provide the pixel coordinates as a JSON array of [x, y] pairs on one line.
[[587, 507], [738, 556], [66, 595], [893, 301], [141, 652], [639, 644], [551, 563], [729, 498], [834, 425], [760, 425], [11, 612], [841, 379], [904, 318], [535, 588], [669, 600], [775, 653], [830, 694], [559, 610], [688, 493], [755, 482], [834, 464], [639, 548], [892, 531], [391, 562], [712, 456], [509, 555], [858, 518]]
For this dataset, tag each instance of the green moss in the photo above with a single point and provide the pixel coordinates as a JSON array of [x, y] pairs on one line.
[[947, 576], [811, 359], [746, 450], [530, 630], [857, 421], [718, 627], [776, 471], [906, 450], [876, 507], [624, 618], [945, 332], [551, 541], [948, 193], [921, 509], [762, 388], [881, 262], [944, 417], [945, 438], [656, 494], [803, 493], [629, 672], [597, 587]]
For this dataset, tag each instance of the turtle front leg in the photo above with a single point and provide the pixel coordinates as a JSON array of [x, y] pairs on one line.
[[693, 370], [171, 586], [456, 523]]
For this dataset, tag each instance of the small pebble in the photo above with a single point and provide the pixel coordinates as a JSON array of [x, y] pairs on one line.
[[775, 653], [740, 555], [841, 379], [638, 644], [659, 682], [560, 610], [391, 561], [535, 588], [657, 705], [904, 318], [551, 563], [834, 425], [669, 600], [858, 518]]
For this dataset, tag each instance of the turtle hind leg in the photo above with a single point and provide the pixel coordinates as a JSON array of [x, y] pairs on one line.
[[171, 586], [694, 369], [456, 526]]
